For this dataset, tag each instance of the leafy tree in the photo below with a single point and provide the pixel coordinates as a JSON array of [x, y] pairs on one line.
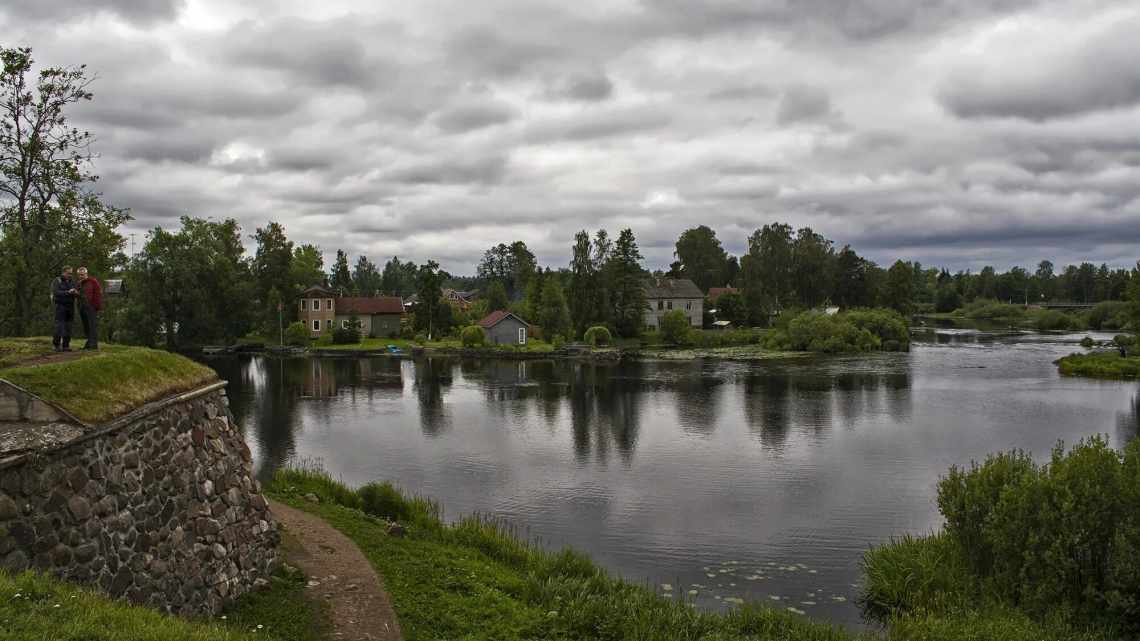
[[272, 267], [675, 327], [513, 265], [48, 211], [473, 336], [767, 272], [399, 279], [1046, 280], [306, 269], [553, 315], [898, 292], [701, 257], [731, 307], [947, 299], [366, 279], [340, 280], [812, 265], [587, 299], [624, 277], [433, 314], [297, 334], [852, 280], [496, 297]]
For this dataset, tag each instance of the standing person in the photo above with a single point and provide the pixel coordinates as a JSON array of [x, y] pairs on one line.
[[63, 293], [90, 304]]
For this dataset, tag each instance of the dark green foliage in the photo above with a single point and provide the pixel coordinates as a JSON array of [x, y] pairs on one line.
[[1108, 315], [675, 327], [1100, 365], [898, 291], [702, 259], [1053, 320], [473, 336], [340, 279], [386, 501], [624, 276], [597, 336], [914, 574], [731, 307], [854, 331], [511, 265], [347, 335], [1087, 342], [989, 309], [553, 313], [947, 299], [496, 297], [297, 334]]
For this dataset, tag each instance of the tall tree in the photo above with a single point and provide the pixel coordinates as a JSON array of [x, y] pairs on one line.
[[306, 269], [430, 316], [49, 213], [1046, 280], [272, 271], [513, 265], [767, 272], [366, 279], [340, 279], [553, 313], [584, 286], [898, 291], [852, 286], [701, 257], [625, 278], [399, 279], [496, 297], [813, 260]]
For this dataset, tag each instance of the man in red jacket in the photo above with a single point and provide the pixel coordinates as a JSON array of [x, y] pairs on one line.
[[90, 304]]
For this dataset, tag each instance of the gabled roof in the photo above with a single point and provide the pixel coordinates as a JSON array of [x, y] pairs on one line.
[[318, 289], [366, 306], [496, 317], [672, 288]]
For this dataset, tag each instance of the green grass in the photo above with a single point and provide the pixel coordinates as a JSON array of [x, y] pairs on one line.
[[34, 607], [477, 579], [284, 612], [98, 386], [370, 344], [1100, 365]]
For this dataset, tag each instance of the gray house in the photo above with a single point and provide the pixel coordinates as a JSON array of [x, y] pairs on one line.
[[504, 328], [663, 295]]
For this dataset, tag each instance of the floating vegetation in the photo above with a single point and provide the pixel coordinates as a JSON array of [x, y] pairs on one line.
[[734, 599], [839, 599], [774, 597], [692, 593], [667, 587], [807, 602], [711, 575], [795, 610]]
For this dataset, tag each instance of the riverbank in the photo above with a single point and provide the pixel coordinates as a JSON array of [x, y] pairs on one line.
[[478, 579]]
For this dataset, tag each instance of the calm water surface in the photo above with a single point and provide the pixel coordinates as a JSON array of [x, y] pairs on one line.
[[762, 481]]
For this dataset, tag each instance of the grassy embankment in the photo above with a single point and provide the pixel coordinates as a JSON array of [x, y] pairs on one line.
[[476, 579], [1107, 315], [1100, 365], [37, 608], [97, 386]]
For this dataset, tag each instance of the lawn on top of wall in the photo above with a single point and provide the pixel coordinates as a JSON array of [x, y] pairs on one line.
[[477, 579], [99, 385]]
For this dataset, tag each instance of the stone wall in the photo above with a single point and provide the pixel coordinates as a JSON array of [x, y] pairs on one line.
[[159, 507]]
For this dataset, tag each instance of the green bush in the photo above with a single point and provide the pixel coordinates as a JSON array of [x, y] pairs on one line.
[[297, 334], [891, 328], [1060, 537], [1087, 342], [597, 336], [675, 327], [989, 309], [817, 332], [473, 336], [1053, 320], [1100, 365], [346, 335], [558, 341], [1110, 314]]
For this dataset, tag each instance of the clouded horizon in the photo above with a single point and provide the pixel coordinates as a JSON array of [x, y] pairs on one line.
[[955, 132]]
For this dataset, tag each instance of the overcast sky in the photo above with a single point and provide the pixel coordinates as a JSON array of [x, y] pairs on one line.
[[954, 132]]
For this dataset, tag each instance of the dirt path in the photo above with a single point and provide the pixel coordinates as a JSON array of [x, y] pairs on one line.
[[359, 606]]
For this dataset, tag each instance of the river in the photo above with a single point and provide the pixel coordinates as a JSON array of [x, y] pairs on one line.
[[762, 481]]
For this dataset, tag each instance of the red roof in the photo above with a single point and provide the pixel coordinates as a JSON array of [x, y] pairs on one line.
[[717, 292], [368, 305], [496, 317]]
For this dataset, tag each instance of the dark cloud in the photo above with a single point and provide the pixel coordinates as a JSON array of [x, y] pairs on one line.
[[1100, 72], [470, 115], [141, 12], [482, 51], [802, 103], [314, 53], [451, 171], [587, 87], [743, 92]]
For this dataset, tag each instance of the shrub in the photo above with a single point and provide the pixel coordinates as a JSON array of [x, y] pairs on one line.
[[558, 341], [297, 334], [675, 327], [597, 335], [473, 336], [1100, 365], [1087, 342], [889, 326], [816, 332], [346, 335], [989, 309], [1110, 314], [1053, 320], [420, 338]]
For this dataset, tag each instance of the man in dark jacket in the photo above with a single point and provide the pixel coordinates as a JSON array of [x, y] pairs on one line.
[[90, 304], [63, 293]]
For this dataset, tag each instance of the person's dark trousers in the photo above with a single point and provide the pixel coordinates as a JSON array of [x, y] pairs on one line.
[[90, 319], [63, 319]]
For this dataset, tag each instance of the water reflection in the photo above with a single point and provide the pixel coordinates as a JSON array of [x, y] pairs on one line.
[[662, 469]]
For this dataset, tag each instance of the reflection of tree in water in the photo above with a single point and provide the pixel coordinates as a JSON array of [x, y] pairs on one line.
[[899, 399], [604, 407], [852, 390], [433, 377], [766, 399], [263, 395], [1128, 422], [811, 399], [697, 391]]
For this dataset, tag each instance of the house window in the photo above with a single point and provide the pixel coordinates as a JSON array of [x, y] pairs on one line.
[[328, 304], [522, 336], [688, 304], [316, 305], [669, 305], [660, 304], [316, 325], [328, 323], [344, 324], [303, 305]]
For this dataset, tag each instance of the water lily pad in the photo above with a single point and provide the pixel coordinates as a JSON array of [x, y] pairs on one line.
[[711, 575], [734, 599], [667, 587], [796, 611], [774, 597], [839, 599], [692, 593]]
